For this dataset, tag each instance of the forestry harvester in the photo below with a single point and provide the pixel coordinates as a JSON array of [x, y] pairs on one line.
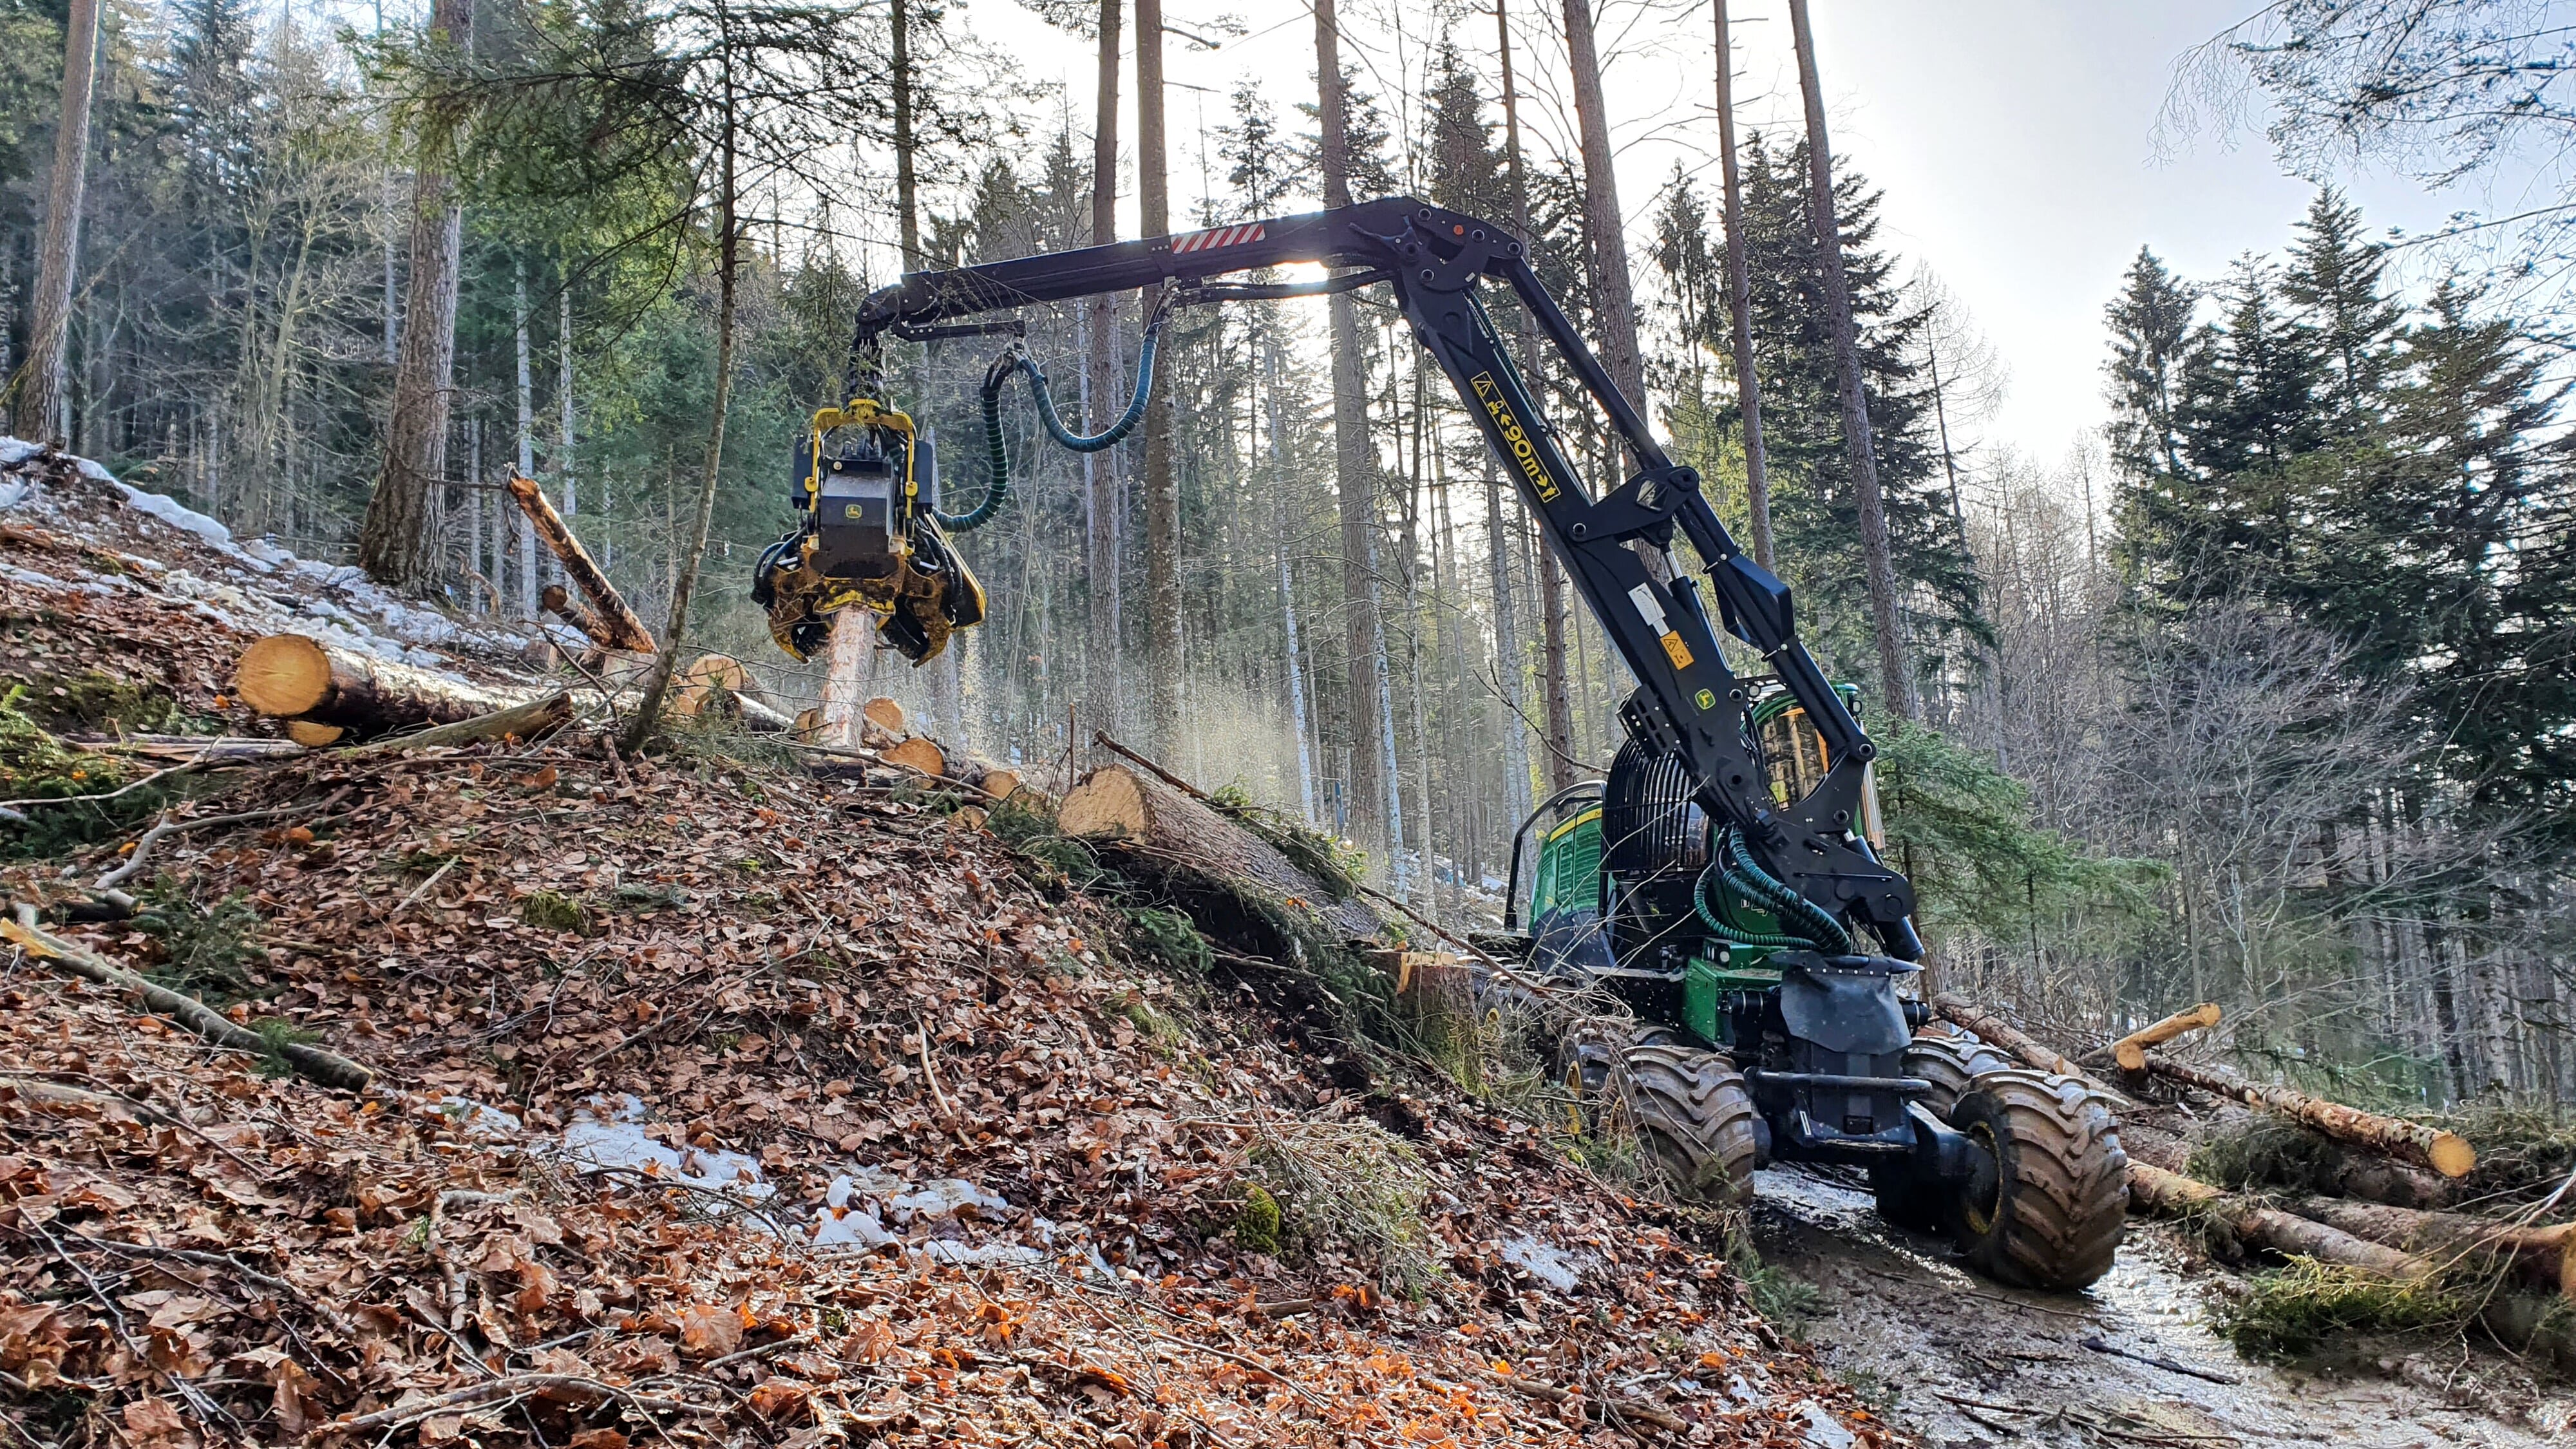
[[1724, 880]]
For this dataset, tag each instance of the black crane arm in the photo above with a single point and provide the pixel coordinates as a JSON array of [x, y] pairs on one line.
[[1688, 701]]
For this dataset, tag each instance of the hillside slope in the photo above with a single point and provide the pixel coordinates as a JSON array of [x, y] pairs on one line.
[[718, 1103]]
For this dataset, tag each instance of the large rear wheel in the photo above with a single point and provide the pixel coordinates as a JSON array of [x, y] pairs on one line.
[[2050, 1213], [1951, 1064], [1694, 1115]]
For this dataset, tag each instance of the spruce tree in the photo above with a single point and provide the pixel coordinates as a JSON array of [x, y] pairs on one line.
[[2334, 277], [2151, 341]]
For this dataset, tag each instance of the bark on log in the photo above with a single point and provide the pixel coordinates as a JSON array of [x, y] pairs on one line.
[[2444, 1152], [293, 676], [2170, 1194], [2131, 1051], [558, 602], [328, 1068], [518, 721], [1996, 1031], [624, 630], [1166, 831], [2543, 1257]]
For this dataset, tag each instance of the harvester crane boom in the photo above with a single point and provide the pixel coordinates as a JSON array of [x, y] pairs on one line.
[[1689, 703]]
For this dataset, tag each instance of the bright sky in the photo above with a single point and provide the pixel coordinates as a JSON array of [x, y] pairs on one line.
[[2015, 139]]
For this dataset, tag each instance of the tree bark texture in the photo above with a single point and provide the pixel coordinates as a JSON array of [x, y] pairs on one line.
[[40, 381], [1162, 488], [1605, 236], [2170, 1194], [290, 676], [1896, 677], [1167, 834], [2412, 1142], [1995, 1031], [1354, 462], [1099, 470], [2540, 1256], [1739, 296], [398, 544], [622, 630]]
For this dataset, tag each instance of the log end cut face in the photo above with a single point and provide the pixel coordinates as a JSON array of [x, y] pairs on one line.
[[1109, 802], [283, 674]]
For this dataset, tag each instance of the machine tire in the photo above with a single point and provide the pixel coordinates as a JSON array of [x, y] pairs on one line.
[[1587, 1056], [2053, 1216], [1951, 1064], [1693, 1113]]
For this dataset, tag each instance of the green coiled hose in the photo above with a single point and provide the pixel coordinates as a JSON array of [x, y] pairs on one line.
[[1017, 360]]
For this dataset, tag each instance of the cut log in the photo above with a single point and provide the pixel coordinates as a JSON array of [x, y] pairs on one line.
[[1996, 1031], [886, 715], [999, 783], [623, 629], [1167, 833], [722, 684], [293, 676], [313, 734], [2131, 1051], [556, 601], [2444, 1152], [2170, 1194], [518, 721], [2542, 1257], [808, 726], [845, 678], [920, 754]]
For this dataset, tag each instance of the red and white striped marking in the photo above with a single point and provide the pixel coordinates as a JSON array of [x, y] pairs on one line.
[[1223, 236]]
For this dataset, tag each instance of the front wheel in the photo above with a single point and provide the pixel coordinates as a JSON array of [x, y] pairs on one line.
[[2050, 1212], [1952, 1064]]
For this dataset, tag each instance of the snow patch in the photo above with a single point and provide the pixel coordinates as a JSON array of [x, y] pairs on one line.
[[1823, 1430], [472, 1118], [1548, 1264], [169, 510], [608, 1133]]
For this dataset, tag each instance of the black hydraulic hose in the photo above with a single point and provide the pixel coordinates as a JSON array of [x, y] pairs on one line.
[[999, 457], [1795, 911]]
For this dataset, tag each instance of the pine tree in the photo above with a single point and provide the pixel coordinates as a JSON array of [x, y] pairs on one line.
[[2151, 341], [2334, 277]]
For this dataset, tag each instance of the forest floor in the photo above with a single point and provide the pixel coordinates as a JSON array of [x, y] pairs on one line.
[[716, 1103]]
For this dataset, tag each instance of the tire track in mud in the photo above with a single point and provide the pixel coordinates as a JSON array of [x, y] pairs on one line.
[[1968, 1364]]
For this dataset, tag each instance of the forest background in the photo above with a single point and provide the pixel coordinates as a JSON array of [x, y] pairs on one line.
[[2265, 694]]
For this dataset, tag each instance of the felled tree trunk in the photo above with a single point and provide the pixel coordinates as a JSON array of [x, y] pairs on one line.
[[295, 677], [1169, 837], [723, 684], [618, 626], [1995, 1031], [2541, 1257], [2131, 1051], [2444, 1152], [2170, 1194]]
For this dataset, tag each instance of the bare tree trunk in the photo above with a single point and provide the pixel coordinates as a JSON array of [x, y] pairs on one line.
[[1099, 470], [1507, 654], [40, 384], [1355, 469], [1287, 591], [1558, 710], [1162, 490], [1613, 294], [527, 434], [907, 190], [563, 387], [728, 267], [395, 545], [1739, 296], [1896, 678]]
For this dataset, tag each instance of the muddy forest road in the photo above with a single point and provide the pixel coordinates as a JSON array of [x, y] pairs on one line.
[[1967, 1364]]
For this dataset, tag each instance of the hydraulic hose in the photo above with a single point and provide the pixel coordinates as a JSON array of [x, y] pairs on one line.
[[1736, 935], [1016, 360], [1796, 912]]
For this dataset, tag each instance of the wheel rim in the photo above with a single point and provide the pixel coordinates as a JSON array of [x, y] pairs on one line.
[[1982, 1196]]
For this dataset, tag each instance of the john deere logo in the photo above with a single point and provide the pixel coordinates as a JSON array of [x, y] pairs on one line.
[[852, 510], [1707, 699]]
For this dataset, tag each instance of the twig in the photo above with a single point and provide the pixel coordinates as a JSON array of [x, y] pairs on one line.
[[423, 888], [930, 1074], [328, 1068], [2099, 1344], [171, 826], [49, 1091], [1101, 738], [190, 767], [1629, 1408], [257, 1279], [507, 1390]]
